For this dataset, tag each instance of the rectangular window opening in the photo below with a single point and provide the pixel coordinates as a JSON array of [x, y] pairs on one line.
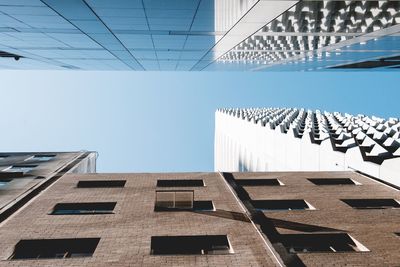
[[259, 182], [84, 208], [101, 183], [190, 245], [333, 181], [170, 200], [200, 205], [20, 168], [382, 203], [333, 242], [4, 182], [203, 205], [42, 157], [54, 248], [284, 204], [180, 183]]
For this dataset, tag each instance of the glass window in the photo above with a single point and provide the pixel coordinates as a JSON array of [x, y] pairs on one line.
[[259, 182], [54, 248], [381, 203], [4, 182], [333, 242], [180, 183], [282, 204], [181, 199], [83, 208], [101, 183], [41, 158], [20, 168], [195, 245], [332, 181]]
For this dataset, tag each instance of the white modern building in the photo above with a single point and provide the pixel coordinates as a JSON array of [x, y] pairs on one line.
[[283, 139], [197, 35]]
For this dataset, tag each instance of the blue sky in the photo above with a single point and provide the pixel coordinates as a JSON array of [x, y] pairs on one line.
[[164, 121]]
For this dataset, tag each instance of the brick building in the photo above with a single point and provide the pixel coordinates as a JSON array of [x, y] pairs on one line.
[[206, 219], [24, 174]]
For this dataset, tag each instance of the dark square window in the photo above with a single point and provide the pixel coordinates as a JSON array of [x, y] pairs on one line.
[[259, 182], [332, 181], [180, 183], [379, 203], [202, 205], [23, 168], [101, 183], [83, 208], [281, 204], [42, 157], [195, 245], [7, 175], [54, 248], [180, 200], [334, 242], [4, 182]]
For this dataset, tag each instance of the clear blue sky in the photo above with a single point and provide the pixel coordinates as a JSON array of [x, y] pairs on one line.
[[164, 121]]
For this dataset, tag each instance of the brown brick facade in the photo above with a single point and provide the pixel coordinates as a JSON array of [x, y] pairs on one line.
[[126, 234], [374, 228]]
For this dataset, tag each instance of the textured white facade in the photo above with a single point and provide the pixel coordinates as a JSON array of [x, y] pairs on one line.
[[200, 35], [273, 139]]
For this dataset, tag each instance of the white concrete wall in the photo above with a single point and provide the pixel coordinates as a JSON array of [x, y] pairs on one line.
[[259, 148]]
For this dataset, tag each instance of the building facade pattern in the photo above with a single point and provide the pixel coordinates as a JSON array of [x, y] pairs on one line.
[[23, 175], [315, 35], [279, 139], [377, 242], [126, 233], [129, 234], [195, 35]]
